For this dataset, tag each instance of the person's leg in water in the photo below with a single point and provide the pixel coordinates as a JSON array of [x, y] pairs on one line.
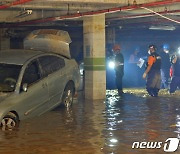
[[173, 84], [119, 83], [157, 81]]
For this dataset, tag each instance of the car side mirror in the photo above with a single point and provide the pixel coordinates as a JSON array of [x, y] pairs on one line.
[[25, 87]]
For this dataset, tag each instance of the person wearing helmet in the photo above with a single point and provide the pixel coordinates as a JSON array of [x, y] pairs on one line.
[[175, 79], [165, 66], [119, 68], [152, 72]]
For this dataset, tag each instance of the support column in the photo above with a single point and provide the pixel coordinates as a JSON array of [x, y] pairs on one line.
[[4, 40], [94, 57]]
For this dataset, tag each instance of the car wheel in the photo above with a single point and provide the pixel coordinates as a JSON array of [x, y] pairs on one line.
[[9, 122], [68, 94]]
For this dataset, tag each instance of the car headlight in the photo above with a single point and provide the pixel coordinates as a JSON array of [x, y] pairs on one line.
[[111, 64]]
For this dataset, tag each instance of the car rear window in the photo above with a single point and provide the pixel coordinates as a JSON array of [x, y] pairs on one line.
[[51, 64]]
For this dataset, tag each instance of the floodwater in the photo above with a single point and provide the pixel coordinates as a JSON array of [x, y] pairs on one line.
[[107, 127]]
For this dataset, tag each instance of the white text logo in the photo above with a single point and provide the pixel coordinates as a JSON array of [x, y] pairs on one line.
[[170, 145]]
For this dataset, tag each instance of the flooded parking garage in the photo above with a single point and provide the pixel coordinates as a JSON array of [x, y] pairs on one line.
[[108, 127]]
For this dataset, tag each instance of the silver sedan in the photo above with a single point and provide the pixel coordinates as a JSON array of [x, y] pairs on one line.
[[34, 82]]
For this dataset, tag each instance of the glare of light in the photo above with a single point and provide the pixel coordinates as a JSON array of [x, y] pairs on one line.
[[120, 121], [111, 64], [113, 140], [111, 145], [81, 71], [112, 118], [179, 50], [177, 125], [111, 128], [116, 114]]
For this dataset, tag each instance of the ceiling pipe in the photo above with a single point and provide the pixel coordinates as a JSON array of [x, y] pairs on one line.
[[118, 9], [105, 11], [64, 6], [14, 3]]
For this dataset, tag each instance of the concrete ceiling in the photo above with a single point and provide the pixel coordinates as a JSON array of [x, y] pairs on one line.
[[122, 13]]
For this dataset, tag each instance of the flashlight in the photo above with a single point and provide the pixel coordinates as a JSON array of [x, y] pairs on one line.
[[111, 64]]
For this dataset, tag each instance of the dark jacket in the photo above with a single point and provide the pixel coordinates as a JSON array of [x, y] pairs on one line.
[[119, 58], [157, 64], [176, 68], [165, 60]]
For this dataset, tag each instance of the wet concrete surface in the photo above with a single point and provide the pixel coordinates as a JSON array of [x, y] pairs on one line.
[[94, 127]]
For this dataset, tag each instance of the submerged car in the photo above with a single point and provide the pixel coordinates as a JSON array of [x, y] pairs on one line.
[[34, 82]]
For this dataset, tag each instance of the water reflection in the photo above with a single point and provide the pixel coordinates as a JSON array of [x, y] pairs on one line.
[[94, 127], [137, 118], [177, 125]]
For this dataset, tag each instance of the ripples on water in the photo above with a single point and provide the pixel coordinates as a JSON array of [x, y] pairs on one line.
[[109, 126]]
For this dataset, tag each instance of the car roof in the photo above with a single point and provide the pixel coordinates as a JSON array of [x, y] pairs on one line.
[[17, 56]]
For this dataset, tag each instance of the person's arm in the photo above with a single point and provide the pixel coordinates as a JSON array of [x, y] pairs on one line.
[[147, 70], [151, 60], [119, 60], [174, 60]]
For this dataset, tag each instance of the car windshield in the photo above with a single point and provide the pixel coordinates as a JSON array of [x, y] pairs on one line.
[[8, 77]]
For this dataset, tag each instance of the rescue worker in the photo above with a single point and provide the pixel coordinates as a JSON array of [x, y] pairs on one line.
[[133, 68], [119, 68], [175, 82], [133, 59], [165, 66], [152, 72]]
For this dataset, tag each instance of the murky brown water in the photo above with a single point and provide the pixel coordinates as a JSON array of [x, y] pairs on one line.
[[108, 127]]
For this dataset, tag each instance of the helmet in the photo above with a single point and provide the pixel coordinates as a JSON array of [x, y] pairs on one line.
[[116, 47], [166, 46]]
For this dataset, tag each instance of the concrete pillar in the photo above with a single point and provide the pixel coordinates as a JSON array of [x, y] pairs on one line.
[[4, 40], [94, 57]]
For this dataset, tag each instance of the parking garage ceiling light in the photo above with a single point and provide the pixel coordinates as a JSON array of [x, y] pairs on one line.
[[162, 28]]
